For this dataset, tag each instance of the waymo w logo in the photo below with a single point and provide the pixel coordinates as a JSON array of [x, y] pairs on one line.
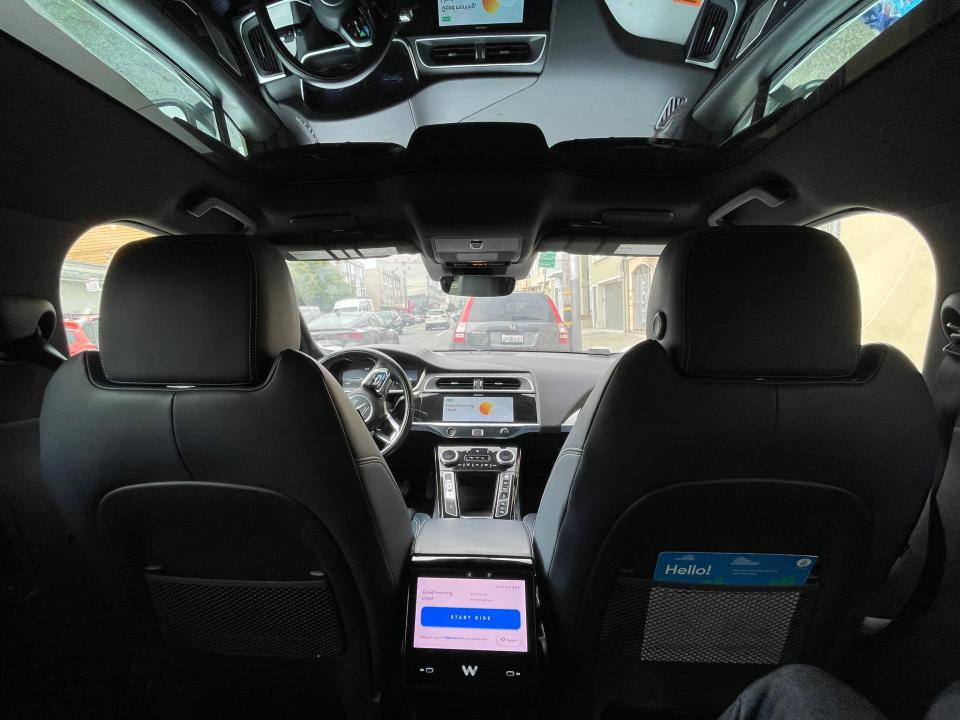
[[470, 670]]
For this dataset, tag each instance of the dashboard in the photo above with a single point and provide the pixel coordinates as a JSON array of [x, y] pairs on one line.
[[353, 373], [489, 395], [436, 40]]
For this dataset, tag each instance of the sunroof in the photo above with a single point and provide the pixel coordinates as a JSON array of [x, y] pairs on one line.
[[158, 82]]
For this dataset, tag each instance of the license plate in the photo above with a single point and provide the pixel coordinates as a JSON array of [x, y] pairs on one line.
[[511, 339]]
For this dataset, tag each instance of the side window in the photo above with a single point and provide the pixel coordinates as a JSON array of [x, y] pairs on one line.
[[897, 279], [81, 281]]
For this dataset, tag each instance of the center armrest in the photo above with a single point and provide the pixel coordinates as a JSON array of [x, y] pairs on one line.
[[473, 537]]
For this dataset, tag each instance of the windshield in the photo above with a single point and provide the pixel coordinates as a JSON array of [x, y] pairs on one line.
[[335, 320], [568, 303]]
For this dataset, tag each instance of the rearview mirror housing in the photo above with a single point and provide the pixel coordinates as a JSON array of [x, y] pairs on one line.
[[477, 285]]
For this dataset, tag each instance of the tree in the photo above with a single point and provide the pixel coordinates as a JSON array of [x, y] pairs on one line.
[[319, 283]]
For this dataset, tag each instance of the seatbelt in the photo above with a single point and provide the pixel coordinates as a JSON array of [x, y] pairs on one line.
[[946, 395]]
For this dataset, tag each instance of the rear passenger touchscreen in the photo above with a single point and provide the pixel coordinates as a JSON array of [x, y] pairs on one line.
[[485, 614]]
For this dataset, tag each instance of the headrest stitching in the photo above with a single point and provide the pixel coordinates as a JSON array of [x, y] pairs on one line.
[[687, 300]]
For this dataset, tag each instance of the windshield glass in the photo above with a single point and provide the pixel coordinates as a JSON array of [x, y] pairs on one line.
[[341, 320], [805, 75], [568, 303]]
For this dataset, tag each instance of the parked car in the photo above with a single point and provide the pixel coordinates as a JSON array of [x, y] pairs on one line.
[[351, 330], [310, 313], [521, 321], [77, 338], [436, 319], [353, 305], [392, 320]]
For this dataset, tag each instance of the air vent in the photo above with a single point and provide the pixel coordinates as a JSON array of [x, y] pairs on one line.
[[709, 33], [669, 111], [264, 57], [506, 52], [713, 32], [446, 55], [455, 383], [507, 383]]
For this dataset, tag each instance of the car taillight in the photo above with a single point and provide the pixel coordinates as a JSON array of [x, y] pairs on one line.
[[561, 328], [357, 336], [460, 334]]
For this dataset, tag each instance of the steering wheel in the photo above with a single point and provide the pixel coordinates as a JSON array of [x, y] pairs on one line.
[[372, 398], [366, 26]]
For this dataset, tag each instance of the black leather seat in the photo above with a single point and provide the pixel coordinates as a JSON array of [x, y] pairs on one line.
[[240, 509], [752, 421]]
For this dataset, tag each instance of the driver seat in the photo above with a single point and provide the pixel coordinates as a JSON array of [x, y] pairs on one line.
[[242, 516]]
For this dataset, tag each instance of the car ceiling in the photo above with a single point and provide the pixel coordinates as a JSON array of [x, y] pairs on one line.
[[78, 158]]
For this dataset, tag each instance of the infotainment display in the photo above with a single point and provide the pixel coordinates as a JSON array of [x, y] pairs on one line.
[[479, 12], [467, 408], [485, 614]]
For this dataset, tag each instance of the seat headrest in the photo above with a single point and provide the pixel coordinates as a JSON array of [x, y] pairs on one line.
[[183, 310], [757, 302]]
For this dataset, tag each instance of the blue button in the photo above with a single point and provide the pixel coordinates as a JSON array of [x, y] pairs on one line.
[[492, 619]]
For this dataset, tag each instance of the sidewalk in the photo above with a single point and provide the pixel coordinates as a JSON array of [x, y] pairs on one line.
[[616, 340]]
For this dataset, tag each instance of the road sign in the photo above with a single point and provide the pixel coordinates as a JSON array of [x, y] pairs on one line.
[[548, 259]]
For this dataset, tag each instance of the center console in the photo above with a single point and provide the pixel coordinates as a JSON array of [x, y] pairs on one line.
[[471, 610], [477, 481]]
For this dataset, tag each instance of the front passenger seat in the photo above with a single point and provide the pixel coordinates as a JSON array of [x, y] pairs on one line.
[[751, 421], [241, 512]]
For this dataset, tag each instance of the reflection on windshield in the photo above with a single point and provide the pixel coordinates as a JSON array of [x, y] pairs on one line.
[[568, 303]]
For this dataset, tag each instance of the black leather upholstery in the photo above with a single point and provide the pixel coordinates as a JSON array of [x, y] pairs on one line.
[[757, 302], [265, 417], [196, 311], [759, 384]]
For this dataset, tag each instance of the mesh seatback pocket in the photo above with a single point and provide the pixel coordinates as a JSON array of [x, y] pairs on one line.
[[664, 622], [235, 617]]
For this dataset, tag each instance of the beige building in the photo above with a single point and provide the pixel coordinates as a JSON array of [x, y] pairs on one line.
[[385, 288]]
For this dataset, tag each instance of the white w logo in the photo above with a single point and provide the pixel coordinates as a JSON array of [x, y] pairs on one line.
[[470, 670]]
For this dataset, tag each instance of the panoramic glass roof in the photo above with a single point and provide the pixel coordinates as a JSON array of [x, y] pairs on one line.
[[611, 69]]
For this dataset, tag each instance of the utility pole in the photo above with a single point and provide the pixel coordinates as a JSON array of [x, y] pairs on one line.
[[576, 339]]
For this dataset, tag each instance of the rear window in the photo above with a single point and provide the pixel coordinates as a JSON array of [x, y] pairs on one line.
[[512, 308], [897, 278], [83, 273]]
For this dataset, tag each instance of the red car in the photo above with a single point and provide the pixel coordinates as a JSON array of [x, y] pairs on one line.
[[77, 338]]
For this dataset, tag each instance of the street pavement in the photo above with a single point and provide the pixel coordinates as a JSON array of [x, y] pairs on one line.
[[416, 336]]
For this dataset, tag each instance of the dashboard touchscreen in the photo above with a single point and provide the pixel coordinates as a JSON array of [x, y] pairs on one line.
[[466, 408], [471, 614], [479, 12]]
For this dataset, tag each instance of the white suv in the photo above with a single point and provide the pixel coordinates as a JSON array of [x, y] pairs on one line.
[[436, 319]]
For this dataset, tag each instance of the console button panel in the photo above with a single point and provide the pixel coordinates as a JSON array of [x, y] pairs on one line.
[[477, 481]]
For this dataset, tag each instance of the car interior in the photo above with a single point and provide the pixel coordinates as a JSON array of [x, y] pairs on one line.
[[414, 359]]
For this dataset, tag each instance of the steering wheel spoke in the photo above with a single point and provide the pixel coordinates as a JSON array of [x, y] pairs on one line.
[[378, 380], [387, 416], [395, 430]]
